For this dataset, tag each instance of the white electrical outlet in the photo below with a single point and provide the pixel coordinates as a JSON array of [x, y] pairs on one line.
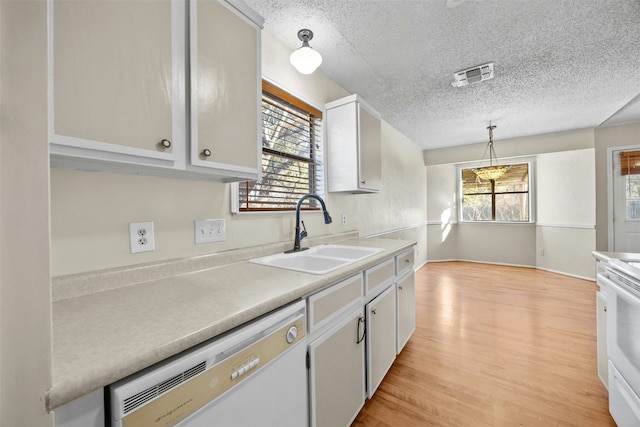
[[344, 219], [209, 230], [141, 237]]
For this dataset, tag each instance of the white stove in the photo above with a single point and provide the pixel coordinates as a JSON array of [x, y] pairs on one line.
[[623, 341]]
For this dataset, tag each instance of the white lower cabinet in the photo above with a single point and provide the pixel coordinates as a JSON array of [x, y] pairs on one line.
[[381, 338], [353, 338], [336, 353], [86, 411], [603, 283], [406, 309], [601, 338], [336, 373]]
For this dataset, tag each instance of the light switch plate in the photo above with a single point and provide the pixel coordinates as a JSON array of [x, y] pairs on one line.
[[209, 230]]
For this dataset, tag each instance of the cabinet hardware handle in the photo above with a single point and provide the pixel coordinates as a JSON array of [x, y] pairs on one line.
[[400, 287], [605, 308], [373, 311], [359, 337], [165, 143], [206, 152], [363, 181], [407, 261]]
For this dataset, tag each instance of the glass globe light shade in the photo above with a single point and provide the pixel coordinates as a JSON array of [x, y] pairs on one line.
[[305, 59]]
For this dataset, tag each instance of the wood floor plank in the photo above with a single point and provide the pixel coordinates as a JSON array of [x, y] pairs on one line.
[[495, 346]]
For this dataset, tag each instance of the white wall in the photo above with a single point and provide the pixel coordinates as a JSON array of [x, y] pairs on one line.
[[25, 292], [90, 211], [566, 211], [564, 192]]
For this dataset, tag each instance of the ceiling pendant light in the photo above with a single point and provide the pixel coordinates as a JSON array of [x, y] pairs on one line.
[[305, 59], [492, 171]]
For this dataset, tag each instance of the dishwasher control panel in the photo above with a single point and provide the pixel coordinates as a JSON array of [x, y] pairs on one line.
[[245, 367]]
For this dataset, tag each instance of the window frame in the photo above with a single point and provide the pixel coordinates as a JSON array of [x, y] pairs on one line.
[[292, 99], [531, 193]]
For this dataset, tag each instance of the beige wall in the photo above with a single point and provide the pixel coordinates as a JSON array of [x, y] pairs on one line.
[[25, 293], [517, 147], [400, 208], [90, 211], [566, 211], [605, 138], [564, 192]]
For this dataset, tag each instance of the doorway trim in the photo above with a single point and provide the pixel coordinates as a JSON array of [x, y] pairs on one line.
[[610, 179]]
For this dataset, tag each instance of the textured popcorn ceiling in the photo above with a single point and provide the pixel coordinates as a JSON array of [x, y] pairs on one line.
[[559, 64]]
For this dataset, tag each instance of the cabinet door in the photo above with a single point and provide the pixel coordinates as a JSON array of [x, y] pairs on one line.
[[370, 151], [404, 262], [378, 277], [381, 338], [354, 151], [336, 375], [86, 411], [342, 148], [115, 79], [225, 90], [406, 297], [601, 337]]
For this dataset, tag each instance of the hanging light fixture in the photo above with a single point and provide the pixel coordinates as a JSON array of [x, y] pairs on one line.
[[492, 171], [305, 59]]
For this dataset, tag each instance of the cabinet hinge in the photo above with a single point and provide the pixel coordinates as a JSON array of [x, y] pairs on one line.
[[308, 360]]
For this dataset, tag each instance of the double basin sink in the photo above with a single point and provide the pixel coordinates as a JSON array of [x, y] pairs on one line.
[[319, 259]]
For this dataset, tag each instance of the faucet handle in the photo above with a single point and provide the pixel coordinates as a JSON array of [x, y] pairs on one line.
[[303, 233]]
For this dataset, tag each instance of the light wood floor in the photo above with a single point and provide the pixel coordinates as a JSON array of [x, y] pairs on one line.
[[495, 346]]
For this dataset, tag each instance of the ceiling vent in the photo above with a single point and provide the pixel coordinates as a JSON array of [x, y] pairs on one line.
[[476, 74]]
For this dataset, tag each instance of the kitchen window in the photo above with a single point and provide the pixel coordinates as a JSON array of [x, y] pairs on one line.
[[291, 155], [505, 199]]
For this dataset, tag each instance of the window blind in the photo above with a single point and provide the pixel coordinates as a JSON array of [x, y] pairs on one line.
[[291, 155], [630, 163]]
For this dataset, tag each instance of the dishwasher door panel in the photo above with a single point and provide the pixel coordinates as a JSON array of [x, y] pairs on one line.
[[274, 397]]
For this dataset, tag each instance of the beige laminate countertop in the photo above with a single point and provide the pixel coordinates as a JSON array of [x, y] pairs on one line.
[[105, 336]]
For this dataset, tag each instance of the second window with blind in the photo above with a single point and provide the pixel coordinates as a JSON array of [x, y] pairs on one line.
[[291, 155]]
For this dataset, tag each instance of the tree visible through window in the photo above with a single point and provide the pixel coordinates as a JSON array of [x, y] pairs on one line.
[[503, 199], [291, 155]]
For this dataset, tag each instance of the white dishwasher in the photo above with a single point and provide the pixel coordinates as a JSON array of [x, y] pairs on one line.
[[254, 376]]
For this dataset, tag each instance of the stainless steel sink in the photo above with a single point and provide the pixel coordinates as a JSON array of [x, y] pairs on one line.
[[320, 259]]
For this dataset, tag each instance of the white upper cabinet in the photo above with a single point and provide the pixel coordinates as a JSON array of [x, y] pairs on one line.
[[225, 89], [115, 82], [354, 150], [118, 87]]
